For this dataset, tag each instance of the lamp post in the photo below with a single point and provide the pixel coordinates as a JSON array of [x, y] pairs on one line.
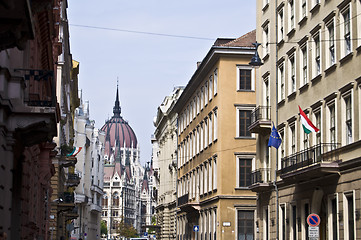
[[256, 62]]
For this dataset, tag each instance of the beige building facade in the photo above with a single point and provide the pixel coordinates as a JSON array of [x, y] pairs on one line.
[[215, 149], [165, 165], [311, 55]]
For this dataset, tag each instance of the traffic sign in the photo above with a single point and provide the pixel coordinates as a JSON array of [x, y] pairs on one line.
[[313, 220], [195, 228], [313, 232]]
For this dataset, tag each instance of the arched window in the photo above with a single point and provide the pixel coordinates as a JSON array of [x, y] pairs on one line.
[[105, 201], [116, 199]]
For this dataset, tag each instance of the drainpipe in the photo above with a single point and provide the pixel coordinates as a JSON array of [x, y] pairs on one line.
[[176, 185]]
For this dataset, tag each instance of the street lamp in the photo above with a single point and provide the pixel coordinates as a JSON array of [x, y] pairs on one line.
[[256, 60]]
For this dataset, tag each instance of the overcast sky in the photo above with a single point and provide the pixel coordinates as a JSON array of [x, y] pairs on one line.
[[148, 66]]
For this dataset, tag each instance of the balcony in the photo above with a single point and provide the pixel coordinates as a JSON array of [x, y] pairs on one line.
[[95, 208], [317, 161], [73, 179], [261, 120], [186, 205], [260, 179], [65, 202], [67, 161]]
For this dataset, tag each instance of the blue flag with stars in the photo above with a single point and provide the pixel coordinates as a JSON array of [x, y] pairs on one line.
[[274, 139]]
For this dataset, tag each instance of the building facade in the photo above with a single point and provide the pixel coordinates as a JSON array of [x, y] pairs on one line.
[[29, 113], [90, 167], [165, 165], [215, 149], [311, 55]]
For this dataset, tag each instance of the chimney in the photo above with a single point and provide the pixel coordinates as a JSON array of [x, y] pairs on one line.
[[198, 64]]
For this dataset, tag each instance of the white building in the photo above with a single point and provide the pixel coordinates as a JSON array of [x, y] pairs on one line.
[[165, 165], [90, 166]]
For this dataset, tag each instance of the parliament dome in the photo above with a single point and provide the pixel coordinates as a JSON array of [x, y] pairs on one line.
[[118, 131]]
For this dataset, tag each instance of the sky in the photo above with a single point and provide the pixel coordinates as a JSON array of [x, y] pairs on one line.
[[174, 36]]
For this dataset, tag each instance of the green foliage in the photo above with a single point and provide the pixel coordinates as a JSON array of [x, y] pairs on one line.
[[103, 228], [127, 230], [153, 222]]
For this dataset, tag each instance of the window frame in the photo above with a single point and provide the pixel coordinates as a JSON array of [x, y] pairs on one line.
[[252, 74], [238, 120]]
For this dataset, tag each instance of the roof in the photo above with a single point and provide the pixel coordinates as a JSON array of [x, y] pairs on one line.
[[243, 41]]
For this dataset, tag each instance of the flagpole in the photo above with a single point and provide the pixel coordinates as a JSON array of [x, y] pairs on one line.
[[275, 172]]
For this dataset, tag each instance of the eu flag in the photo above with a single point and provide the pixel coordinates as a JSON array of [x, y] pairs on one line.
[[274, 139]]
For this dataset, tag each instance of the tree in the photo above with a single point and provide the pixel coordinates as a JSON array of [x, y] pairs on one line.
[[127, 230], [103, 228]]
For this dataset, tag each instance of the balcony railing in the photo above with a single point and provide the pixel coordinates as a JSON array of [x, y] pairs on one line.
[[261, 175], [261, 113], [323, 152], [40, 87], [67, 197], [183, 199], [260, 118], [73, 179]]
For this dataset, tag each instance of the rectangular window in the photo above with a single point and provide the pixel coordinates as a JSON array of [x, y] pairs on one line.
[[348, 122], [245, 79], [306, 212], [266, 40], [210, 87], [215, 125], [210, 125], [280, 25], [294, 222], [347, 31], [245, 169], [292, 74], [332, 124], [304, 64], [283, 221], [349, 218], [331, 43], [245, 221], [303, 8], [210, 176], [317, 55], [215, 81], [206, 93], [282, 81], [293, 139], [244, 123], [291, 8], [333, 226], [215, 174]]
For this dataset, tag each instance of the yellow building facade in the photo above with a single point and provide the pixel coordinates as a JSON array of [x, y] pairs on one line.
[[216, 151]]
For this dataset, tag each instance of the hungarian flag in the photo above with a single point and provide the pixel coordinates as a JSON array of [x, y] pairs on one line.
[[75, 151], [306, 123]]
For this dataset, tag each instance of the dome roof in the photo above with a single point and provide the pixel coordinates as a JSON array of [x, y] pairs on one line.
[[117, 131]]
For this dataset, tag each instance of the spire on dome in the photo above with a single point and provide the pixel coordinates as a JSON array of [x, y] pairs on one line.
[[117, 109]]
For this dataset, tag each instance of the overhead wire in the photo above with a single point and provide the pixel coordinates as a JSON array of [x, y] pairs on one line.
[[142, 32]]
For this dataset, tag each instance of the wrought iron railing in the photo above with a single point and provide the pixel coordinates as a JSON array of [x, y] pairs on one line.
[[67, 197], [323, 152], [40, 88], [261, 175], [183, 199], [261, 113]]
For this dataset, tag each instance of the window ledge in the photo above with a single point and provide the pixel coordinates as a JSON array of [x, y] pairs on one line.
[[302, 21], [292, 95], [358, 49], [315, 8], [242, 188], [330, 69], [244, 138], [265, 58], [265, 7], [346, 58], [304, 87], [291, 32], [316, 78], [281, 102], [281, 42], [245, 90]]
